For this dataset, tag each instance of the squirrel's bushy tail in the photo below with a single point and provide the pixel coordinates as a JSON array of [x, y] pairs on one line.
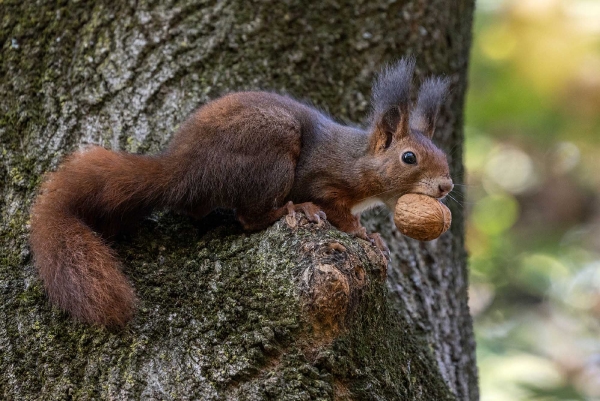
[[91, 197]]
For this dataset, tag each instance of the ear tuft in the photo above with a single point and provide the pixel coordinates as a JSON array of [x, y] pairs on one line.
[[391, 99], [392, 86], [431, 96]]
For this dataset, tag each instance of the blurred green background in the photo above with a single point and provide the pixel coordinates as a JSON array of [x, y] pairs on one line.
[[533, 198]]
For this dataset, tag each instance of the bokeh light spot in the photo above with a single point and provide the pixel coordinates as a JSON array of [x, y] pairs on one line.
[[495, 214], [498, 42], [511, 169]]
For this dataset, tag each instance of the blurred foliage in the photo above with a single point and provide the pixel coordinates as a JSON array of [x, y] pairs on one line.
[[533, 198]]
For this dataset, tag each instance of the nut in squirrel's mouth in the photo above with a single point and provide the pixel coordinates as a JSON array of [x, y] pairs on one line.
[[421, 217]]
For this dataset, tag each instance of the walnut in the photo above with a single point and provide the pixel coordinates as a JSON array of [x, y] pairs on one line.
[[421, 217]]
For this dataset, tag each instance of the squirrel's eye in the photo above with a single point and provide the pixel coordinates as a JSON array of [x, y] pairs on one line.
[[409, 158]]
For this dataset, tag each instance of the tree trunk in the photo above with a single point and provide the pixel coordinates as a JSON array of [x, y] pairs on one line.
[[280, 314]]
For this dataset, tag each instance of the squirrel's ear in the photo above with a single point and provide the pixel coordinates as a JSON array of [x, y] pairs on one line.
[[431, 96], [390, 99]]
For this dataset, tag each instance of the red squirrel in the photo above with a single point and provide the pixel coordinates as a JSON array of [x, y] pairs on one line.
[[262, 154]]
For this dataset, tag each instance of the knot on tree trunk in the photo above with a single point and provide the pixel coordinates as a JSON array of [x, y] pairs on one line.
[[333, 282]]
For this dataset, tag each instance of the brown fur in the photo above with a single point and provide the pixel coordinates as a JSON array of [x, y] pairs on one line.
[[93, 190], [258, 153]]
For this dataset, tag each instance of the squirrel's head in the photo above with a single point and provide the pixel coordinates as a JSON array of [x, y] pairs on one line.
[[400, 143]]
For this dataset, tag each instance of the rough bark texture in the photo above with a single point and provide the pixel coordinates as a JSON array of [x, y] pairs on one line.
[[279, 314]]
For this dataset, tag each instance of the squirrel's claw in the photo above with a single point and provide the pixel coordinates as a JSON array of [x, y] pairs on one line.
[[376, 240], [312, 212]]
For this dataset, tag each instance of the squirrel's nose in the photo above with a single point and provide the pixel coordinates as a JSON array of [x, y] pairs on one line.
[[445, 187]]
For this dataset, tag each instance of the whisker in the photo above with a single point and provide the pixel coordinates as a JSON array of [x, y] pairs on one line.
[[454, 199], [453, 150], [457, 193], [463, 202]]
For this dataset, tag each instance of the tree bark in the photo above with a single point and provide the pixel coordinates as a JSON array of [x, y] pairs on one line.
[[282, 314]]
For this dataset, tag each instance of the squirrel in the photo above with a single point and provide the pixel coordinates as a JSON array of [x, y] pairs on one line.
[[261, 154]]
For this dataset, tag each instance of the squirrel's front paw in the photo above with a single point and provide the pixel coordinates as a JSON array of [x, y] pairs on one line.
[[376, 240]]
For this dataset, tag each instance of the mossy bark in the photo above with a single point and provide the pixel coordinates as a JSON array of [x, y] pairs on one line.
[[297, 312]]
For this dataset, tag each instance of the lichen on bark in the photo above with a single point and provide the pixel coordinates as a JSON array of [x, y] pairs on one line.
[[223, 314]]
